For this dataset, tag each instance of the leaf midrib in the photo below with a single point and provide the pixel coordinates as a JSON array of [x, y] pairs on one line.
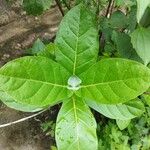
[[32, 80], [76, 47], [76, 121], [96, 84]]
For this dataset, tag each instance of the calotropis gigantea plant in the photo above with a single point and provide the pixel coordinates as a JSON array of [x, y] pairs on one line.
[[78, 80]]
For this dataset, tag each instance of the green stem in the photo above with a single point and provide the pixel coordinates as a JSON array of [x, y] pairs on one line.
[[108, 14]]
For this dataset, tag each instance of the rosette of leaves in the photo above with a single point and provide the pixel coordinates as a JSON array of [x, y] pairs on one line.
[[78, 80]]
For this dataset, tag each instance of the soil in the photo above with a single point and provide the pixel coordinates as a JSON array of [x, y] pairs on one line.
[[18, 31]]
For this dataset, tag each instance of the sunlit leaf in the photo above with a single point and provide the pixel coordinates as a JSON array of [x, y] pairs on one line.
[[115, 80], [37, 81], [140, 39], [122, 124], [17, 105], [76, 126], [126, 111], [141, 7], [77, 40]]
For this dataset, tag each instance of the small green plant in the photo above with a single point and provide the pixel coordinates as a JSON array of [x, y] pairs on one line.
[[73, 72], [49, 128], [134, 137]]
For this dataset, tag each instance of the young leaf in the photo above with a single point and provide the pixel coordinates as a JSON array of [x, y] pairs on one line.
[[140, 39], [37, 81], [77, 40], [113, 81], [124, 111], [16, 105], [76, 126], [37, 47], [122, 124], [48, 51], [141, 7], [40, 49]]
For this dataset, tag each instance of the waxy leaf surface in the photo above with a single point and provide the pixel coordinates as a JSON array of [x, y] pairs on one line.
[[141, 7], [140, 39], [113, 81], [77, 40], [33, 80], [17, 105], [76, 126], [122, 124], [126, 111]]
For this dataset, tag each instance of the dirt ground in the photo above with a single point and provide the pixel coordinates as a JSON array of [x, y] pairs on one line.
[[17, 32]]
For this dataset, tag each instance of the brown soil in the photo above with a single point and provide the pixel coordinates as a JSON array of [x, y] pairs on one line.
[[17, 33]]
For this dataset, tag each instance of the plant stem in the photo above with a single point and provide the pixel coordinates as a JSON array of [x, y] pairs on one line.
[[107, 15], [21, 120], [60, 7]]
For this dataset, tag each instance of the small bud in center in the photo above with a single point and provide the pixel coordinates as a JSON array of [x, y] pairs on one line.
[[74, 83]]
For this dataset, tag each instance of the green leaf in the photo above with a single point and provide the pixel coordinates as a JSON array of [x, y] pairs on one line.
[[76, 126], [132, 21], [118, 20], [140, 39], [124, 3], [124, 46], [37, 81], [16, 105], [48, 51], [36, 7], [141, 7], [122, 124], [145, 21], [77, 40], [40, 49], [124, 111], [147, 98], [37, 47], [116, 80]]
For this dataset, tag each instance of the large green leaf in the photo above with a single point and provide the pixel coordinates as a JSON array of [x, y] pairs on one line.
[[33, 80], [16, 105], [115, 80], [141, 7], [124, 111], [140, 39], [77, 40], [76, 126]]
